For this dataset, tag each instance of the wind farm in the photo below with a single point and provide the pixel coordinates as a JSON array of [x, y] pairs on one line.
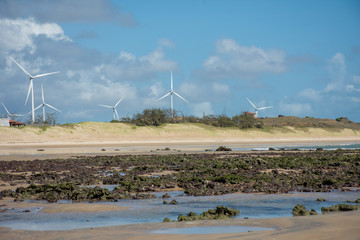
[[254, 135], [31, 86]]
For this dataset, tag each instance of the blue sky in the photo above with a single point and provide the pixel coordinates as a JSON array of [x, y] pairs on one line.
[[301, 57]]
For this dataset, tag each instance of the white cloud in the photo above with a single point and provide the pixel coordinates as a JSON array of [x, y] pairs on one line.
[[232, 60], [203, 108], [311, 94], [220, 88], [297, 109], [166, 43], [337, 70], [18, 34]]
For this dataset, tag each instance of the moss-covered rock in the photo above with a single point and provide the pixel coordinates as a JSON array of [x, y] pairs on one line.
[[300, 210], [220, 212], [340, 208]]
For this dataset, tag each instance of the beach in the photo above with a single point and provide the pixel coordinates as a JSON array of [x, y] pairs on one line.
[[92, 139], [328, 227]]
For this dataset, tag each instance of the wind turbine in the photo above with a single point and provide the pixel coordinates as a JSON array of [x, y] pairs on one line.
[[11, 114], [43, 104], [31, 87], [256, 108], [171, 92], [115, 113]]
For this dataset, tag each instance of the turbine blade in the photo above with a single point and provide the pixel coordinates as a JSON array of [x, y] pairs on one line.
[[105, 106], [172, 85], [42, 93], [6, 109], [116, 113], [37, 107], [252, 104], [30, 87], [180, 97], [44, 74], [118, 102], [21, 67], [264, 108], [52, 107], [164, 96]]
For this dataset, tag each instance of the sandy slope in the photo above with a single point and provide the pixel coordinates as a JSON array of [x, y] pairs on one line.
[[94, 138], [119, 132]]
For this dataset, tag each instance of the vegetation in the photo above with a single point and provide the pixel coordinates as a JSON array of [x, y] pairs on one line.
[[156, 117], [245, 120]]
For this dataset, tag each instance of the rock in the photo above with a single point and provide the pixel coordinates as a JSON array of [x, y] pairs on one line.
[[223, 148], [300, 210], [174, 202], [340, 208], [165, 195], [167, 220], [320, 200]]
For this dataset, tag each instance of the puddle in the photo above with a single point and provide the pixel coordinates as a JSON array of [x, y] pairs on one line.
[[210, 230]]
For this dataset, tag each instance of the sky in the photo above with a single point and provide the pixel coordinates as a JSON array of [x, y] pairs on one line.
[[301, 57]]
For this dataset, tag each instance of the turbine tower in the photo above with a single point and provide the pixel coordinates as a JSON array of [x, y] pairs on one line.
[[11, 114], [171, 92], [256, 108], [115, 113], [43, 104], [31, 87]]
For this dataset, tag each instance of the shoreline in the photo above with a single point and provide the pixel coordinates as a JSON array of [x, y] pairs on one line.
[[66, 149], [327, 227]]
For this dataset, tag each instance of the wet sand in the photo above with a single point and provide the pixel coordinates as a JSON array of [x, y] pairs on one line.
[[343, 226], [64, 149]]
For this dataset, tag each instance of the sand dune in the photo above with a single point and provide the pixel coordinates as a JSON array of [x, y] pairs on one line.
[[119, 132]]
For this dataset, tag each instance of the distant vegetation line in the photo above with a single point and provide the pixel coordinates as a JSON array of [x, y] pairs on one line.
[[245, 120]]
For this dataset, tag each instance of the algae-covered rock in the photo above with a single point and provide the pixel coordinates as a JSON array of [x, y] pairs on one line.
[[300, 210], [168, 220], [313, 212], [220, 212], [223, 148], [320, 200], [340, 208]]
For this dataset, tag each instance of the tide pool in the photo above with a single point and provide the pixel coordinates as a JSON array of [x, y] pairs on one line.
[[153, 210]]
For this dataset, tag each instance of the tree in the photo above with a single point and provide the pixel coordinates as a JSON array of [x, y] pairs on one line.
[[246, 120]]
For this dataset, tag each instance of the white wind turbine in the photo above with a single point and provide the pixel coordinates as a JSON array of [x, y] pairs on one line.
[[256, 108], [171, 92], [31, 87], [115, 113], [43, 104], [11, 114]]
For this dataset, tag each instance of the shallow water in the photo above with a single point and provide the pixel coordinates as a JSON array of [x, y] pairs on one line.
[[312, 147], [153, 210]]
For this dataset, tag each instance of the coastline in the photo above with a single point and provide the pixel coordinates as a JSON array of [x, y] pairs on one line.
[[327, 227]]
